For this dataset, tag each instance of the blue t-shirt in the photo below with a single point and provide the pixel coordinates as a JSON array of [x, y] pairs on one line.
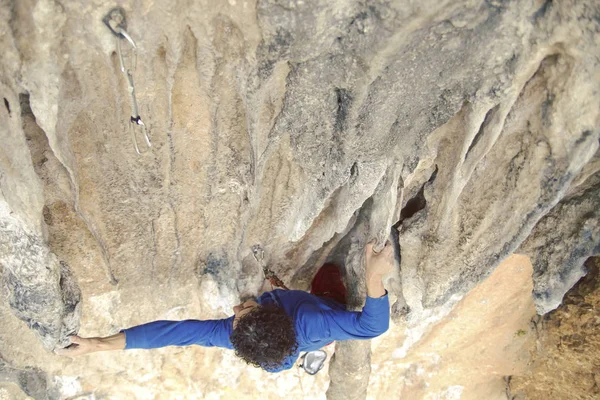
[[317, 320]]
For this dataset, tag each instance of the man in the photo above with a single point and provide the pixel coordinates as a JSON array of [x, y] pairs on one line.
[[271, 331]]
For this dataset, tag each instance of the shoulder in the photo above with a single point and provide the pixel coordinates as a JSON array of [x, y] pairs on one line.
[[310, 323], [284, 297], [291, 293], [223, 329]]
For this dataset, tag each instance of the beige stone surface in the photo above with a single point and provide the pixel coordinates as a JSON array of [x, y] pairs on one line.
[[468, 354]]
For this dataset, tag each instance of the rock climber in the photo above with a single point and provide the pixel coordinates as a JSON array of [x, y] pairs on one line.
[[271, 331]]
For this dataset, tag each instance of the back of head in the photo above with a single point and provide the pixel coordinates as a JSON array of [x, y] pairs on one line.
[[265, 337]]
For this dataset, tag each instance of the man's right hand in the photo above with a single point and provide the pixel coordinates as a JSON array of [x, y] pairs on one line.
[[377, 265], [80, 346]]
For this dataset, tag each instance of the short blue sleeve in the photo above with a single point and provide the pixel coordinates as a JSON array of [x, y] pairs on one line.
[[180, 333]]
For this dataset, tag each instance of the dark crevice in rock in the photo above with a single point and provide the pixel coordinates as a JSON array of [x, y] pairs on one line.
[[71, 294], [354, 172], [584, 135], [7, 105], [417, 203], [24, 103], [486, 122], [546, 108], [413, 206], [542, 11], [344, 99]]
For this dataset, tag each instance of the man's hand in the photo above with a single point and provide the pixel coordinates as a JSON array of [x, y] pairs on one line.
[[377, 265], [80, 346]]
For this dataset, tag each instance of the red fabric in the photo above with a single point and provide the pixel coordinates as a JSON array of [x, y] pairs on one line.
[[328, 283]]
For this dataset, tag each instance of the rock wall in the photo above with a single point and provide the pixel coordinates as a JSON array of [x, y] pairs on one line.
[[306, 128]]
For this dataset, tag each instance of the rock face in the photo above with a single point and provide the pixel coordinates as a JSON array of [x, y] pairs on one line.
[[306, 128], [40, 290], [563, 239], [469, 353]]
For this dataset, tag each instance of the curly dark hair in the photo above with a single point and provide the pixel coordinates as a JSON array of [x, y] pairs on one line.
[[265, 337]]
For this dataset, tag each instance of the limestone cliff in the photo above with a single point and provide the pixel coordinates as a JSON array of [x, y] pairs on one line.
[[307, 128]]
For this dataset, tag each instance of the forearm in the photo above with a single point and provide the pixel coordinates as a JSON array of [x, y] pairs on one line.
[[370, 322], [80, 346], [375, 287], [114, 342]]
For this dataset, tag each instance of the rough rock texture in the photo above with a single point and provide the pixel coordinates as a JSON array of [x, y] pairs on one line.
[[303, 127], [468, 354], [40, 290], [31, 381], [565, 238], [565, 363]]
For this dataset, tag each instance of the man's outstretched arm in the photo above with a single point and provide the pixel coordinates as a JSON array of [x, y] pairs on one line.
[[157, 334]]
